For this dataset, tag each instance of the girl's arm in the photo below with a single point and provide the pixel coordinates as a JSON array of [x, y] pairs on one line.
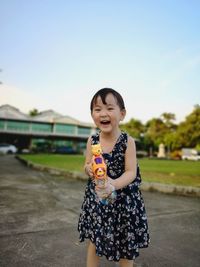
[[130, 166], [88, 159]]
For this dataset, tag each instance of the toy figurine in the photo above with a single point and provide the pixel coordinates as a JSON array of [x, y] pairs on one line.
[[98, 165]]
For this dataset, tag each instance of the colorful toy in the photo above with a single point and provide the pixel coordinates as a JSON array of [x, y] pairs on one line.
[[100, 173], [98, 165]]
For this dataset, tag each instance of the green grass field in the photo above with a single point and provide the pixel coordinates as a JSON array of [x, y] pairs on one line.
[[152, 170]]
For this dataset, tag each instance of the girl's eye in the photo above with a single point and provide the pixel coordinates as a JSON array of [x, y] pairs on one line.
[[110, 108], [97, 109]]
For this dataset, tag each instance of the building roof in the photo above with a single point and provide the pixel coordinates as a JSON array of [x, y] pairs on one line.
[[50, 116], [10, 112], [47, 116]]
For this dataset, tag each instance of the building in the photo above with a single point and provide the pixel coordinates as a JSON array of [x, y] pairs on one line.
[[44, 131]]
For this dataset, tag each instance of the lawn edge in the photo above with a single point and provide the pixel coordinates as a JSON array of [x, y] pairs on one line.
[[145, 186]]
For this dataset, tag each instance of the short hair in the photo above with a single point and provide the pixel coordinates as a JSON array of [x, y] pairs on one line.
[[103, 93]]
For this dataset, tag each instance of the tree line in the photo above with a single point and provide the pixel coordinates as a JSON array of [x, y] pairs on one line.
[[164, 130]]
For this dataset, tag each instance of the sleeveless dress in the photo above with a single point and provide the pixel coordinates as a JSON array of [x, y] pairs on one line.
[[117, 229]]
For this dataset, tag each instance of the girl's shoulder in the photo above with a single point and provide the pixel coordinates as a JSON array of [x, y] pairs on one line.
[[125, 136], [127, 139]]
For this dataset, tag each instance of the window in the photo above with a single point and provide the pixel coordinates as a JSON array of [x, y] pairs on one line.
[[18, 126], [84, 131], [65, 128], [41, 127]]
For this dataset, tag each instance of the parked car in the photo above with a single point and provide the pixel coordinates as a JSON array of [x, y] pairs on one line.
[[8, 149], [190, 154]]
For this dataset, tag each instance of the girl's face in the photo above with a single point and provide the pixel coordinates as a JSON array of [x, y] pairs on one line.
[[107, 116]]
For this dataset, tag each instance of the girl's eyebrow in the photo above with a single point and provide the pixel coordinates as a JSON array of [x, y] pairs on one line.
[[112, 105]]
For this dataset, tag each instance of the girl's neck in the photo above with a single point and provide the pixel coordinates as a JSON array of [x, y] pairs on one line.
[[108, 140], [112, 136]]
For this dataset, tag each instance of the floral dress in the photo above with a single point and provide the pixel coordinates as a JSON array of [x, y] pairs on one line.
[[120, 228]]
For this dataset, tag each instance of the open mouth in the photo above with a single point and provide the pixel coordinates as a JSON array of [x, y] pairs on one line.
[[105, 122]]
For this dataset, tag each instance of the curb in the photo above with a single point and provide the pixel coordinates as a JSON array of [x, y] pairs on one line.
[[171, 189], [145, 186]]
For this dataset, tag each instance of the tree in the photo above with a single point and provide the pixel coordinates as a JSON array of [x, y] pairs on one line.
[[134, 127], [33, 112], [155, 130], [188, 131], [168, 119], [161, 130]]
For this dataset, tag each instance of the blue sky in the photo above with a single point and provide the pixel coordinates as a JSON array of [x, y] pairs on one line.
[[57, 54]]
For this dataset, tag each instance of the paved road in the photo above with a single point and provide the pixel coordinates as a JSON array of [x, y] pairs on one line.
[[38, 222]]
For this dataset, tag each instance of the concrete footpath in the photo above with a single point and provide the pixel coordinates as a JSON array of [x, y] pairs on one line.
[[39, 213]]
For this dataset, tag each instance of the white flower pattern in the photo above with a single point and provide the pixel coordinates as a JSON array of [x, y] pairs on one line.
[[117, 229]]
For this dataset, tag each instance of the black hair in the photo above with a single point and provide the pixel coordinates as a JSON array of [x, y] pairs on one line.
[[103, 93]]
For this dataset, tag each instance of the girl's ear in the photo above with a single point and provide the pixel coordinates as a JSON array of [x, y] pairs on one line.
[[123, 114]]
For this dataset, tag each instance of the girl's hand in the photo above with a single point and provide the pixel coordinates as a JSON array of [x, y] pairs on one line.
[[88, 170], [103, 191]]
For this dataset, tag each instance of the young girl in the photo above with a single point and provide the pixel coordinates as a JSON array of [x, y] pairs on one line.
[[118, 229]]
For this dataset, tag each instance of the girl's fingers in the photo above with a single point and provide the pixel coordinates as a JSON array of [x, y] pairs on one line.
[[99, 187]]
